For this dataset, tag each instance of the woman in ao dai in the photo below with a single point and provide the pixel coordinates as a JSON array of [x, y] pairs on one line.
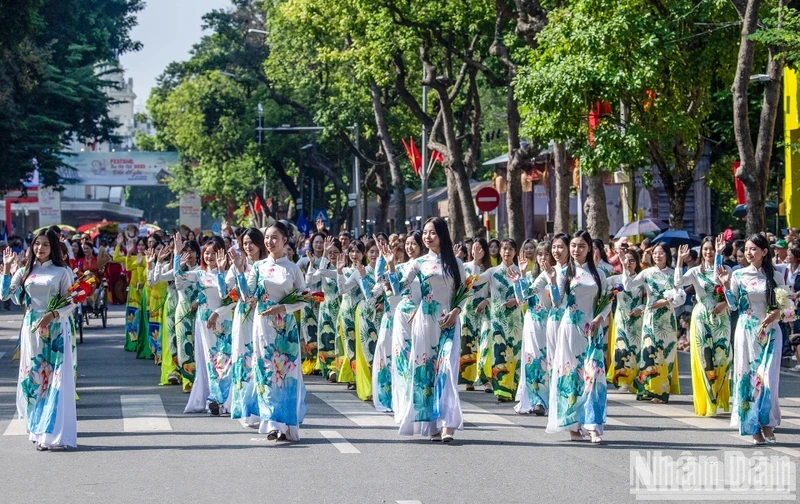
[[243, 395], [531, 289], [658, 361], [348, 280], [578, 380], [434, 409], [709, 331], [625, 331], [46, 384], [277, 365], [159, 271], [325, 276], [476, 362], [186, 313], [752, 291], [369, 306], [213, 325], [382, 365]]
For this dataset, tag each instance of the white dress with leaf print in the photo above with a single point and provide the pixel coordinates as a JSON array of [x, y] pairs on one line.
[[534, 385], [401, 337], [46, 384], [434, 353], [277, 365]]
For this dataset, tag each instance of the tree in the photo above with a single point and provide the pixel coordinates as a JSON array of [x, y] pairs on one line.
[[653, 84], [755, 154], [54, 57]]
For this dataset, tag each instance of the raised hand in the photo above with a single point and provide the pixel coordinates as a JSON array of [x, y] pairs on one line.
[[150, 256], [550, 271], [457, 251], [724, 276], [720, 244], [512, 275], [184, 258], [164, 253], [522, 264], [222, 260], [120, 239], [340, 264], [9, 259], [328, 245], [386, 252], [683, 253], [237, 260], [310, 255], [177, 243]]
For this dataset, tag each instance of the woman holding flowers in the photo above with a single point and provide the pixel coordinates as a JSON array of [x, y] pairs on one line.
[[759, 294], [475, 363], [658, 361], [434, 409], [325, 276], [188, 291], [382, 363], [709, 330], [211, 389], [278, 284], [578, 380], [348, 280], [533, 395], [159, 270], [133, 262], [505, 323], [46, 386], [243, 394], [625, 331]]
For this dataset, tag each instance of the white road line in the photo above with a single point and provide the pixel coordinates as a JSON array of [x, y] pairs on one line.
[[143, 413], [16, 428], [359, 412], [408, 502], [482, 418], [339, 442], [2, 354]]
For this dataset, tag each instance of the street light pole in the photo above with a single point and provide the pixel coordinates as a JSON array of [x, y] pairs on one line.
[[357, 186], [424, 167]]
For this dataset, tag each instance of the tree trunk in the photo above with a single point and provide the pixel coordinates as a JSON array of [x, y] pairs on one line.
[[514, 208], [754, 168], [398, 185], [563, 181], [456, 217], [595, 207]]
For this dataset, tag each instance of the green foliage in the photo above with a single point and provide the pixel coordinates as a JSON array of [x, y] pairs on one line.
[[54, 56], [782, 29], [151, 199]]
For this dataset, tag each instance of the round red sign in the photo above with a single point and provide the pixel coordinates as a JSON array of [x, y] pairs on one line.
[[487, 199]]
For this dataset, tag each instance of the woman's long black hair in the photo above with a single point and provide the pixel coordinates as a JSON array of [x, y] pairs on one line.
[[257, 237], [761, 242], [598, 244], [667, 253], [571, 268], [55, 255], [194, 247], [446, 254], [487, 260], [707, 239], [359, 246], [417, 235], [563, 237]]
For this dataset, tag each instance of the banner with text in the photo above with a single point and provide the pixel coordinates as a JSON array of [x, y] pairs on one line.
[[190, 210], [118, 168], [49, 207]]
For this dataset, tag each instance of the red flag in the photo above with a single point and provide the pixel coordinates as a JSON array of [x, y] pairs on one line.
[[257, 205], [437, 157], [413, 155], [740, 196], [596, 113]]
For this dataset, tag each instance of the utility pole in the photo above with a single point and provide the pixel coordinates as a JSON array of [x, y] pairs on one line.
[[356, 187], [424, 167]]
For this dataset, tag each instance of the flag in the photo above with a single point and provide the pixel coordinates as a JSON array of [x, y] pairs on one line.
[[437, 157], [741, 199], [413, 155], [597, 112], [257, 205]]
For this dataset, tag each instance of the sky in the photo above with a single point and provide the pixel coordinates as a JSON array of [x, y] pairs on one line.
[[167, 29]]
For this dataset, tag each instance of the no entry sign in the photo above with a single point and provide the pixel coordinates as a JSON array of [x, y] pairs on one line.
[[487, 199]]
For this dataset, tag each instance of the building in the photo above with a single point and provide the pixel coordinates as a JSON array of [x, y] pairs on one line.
[[81, 204]]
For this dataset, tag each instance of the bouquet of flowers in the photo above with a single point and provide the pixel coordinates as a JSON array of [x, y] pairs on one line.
[[294, 297], [719, 294], [77, 293], [472, 282], [785, 304], [231, 297], [606, 299], [318, 296]]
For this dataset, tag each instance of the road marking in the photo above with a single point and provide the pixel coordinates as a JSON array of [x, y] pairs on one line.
[[359, 412], [408, 502], [143, 413], [339, 442], [482, 418], [16, 428], [2, 354]]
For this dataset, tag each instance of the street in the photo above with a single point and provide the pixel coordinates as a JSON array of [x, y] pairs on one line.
[[137, 445]]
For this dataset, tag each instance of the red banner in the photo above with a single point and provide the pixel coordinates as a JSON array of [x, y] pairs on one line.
[[740, 197]]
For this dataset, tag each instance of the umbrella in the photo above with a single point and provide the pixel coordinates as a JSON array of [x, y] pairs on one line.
[[676, 237], [741, 210], [63, 227], [95, 228], [641, 227]]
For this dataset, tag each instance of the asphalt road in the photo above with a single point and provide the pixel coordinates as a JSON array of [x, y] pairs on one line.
[[130, 450]]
